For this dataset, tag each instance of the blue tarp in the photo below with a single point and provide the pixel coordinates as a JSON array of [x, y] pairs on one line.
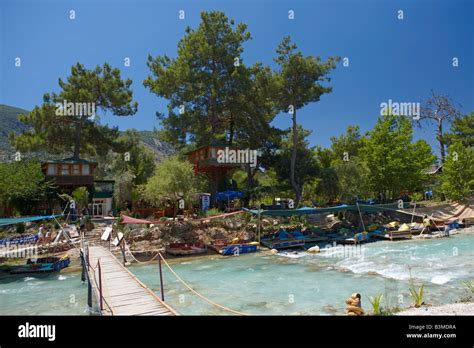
[[20, 240], [12, 221], [228, 195], [310, 211]]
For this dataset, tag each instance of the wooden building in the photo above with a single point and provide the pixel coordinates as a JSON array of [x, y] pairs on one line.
[[70, 173]]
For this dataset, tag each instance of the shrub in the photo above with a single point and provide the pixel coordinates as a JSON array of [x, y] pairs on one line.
[[417, 197], [469, 285], [20, 227], [417, 295], [213, 212], [375, 302]]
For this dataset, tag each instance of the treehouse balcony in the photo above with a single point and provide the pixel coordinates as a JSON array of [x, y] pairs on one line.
[[71, 180], [205, 160]]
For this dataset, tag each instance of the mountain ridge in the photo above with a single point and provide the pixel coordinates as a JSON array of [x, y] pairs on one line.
[[9, 123]]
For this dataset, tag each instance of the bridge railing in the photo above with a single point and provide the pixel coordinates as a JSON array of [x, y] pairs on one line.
[[96, 273]]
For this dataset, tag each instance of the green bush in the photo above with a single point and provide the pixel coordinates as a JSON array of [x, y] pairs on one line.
[[20, 227], [469, 285], [417, 295], [375, 302], [417, 197], [213, 212]]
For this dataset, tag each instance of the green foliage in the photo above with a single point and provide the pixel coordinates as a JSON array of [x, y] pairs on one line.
[[21, 184], [306, 164], [353, 179], [457, 177], [205, 80], [417, 197], [328, 185], [20, 227], [417, 295], [81, 196], [469, 285], [81, 134], [213, 212], [173, 179], [300, 77], [298, 84], [347, 145], [123, 189], [462, 131], [395, 163], [132, 156], [375, 301]]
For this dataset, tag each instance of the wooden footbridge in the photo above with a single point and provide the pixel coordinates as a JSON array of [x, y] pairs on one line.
[[117, 290]]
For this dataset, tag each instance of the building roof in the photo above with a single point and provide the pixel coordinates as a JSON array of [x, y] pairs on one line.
[[71, 160], [433, 169]]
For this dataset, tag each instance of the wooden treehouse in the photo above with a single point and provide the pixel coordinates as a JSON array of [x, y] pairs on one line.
[[205, 160], [70, 173]]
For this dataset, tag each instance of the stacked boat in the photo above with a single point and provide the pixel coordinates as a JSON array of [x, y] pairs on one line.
[[177, 249], [235, 247]]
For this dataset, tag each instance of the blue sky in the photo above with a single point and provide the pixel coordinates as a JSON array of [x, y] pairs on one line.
[[389, 58]]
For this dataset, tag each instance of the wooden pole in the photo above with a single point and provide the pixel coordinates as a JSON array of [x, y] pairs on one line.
[[122, 247], [259, 225], [360, 214], [83, 264], [100, 286], [161, 278], [413, 214]]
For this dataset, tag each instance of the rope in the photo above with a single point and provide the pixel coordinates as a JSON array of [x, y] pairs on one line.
[[184, 283], [197, 293], [134, 258]]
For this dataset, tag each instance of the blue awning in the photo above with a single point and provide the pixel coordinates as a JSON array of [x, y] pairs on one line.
[[12, 221], [310, 211], [228, 195]]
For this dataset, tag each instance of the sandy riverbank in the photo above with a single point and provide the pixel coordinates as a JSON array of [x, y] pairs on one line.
[[448, 309]]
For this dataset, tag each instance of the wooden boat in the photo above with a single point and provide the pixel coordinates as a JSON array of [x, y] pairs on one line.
[[234, 248], [186, 248], [43, 265]]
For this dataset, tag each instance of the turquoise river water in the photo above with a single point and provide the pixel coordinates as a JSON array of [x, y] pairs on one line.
[[268, 284]]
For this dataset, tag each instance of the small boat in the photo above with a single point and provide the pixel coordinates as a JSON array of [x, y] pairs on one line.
[[403, 232], [186, 248], [282, 240], [43, 265], [236, 247]]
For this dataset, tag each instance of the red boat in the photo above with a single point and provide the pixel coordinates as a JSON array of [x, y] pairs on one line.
[[186, 248]]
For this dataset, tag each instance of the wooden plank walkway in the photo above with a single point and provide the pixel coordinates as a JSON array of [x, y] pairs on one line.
[[122, 292]]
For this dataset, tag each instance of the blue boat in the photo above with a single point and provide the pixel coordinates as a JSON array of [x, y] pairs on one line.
[[43, 265], [283, 240], [237, 249]]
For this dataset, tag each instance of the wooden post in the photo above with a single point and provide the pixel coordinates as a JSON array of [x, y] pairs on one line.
[[122, 247], [161, 279], [259, 225], [86, 249], [89, 293], [100, 285], [83, 264]]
